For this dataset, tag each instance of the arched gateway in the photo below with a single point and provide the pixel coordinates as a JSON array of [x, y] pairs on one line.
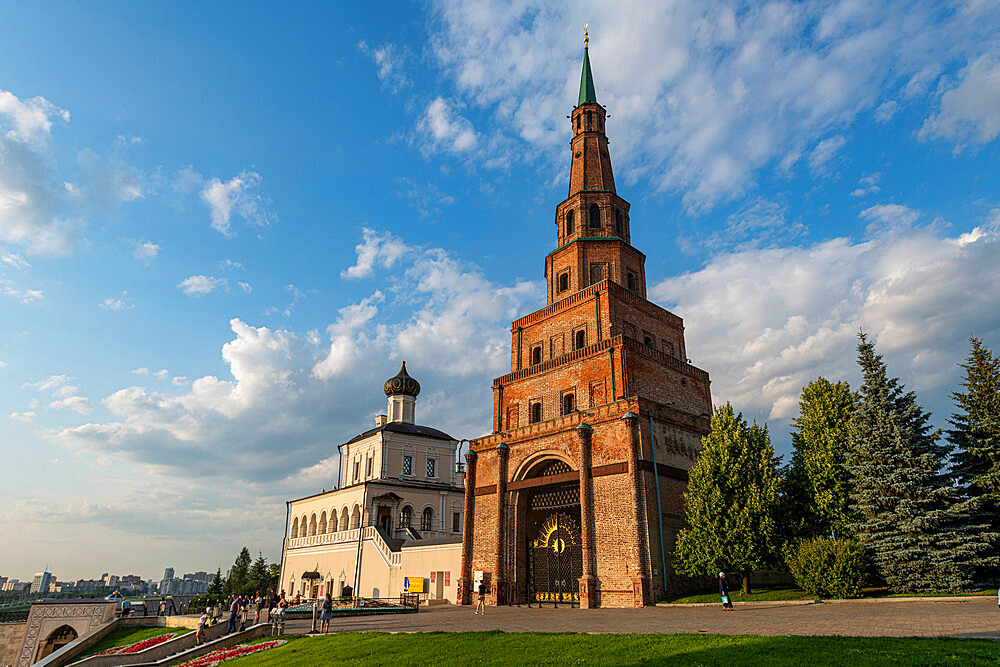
[[578, 492]]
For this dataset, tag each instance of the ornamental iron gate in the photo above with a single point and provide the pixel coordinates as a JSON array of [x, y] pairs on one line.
[[556, 560]]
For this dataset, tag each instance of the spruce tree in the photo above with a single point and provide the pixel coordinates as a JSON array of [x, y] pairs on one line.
[[817, 487], [909, 518], [216, 589], [731, 501], [239, 578], [258, 578], [976, 458]]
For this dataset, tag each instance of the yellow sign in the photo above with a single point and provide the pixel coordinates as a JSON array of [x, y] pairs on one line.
[[413, 584]]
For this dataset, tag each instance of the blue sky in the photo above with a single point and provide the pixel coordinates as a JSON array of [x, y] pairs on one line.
[[221, 227]]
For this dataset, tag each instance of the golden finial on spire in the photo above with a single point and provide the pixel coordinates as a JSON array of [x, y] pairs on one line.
[[586, 35]]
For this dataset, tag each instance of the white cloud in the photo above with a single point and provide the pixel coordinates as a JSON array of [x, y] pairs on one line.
[[825, 151], [443, 317], [703, 96], [179, 381], [79, 404], [888, 217], [3, 364], [443, 128], [161, 374], [382, 248], [970, 112], [8, 288], [14, 260], [230, 265], [145, 251], [49, 383], [201, 285], [389, 59], [426, 198], [120, 302], [247, 288], [761, 222], [29, 119], [140, 371], [23, 416], [868, 185], [65, 390], [238, 194], [796, 311]]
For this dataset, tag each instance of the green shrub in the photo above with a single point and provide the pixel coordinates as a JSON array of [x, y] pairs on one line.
[[828, 568]]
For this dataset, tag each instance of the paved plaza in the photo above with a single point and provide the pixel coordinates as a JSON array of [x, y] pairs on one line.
[[939, 618]]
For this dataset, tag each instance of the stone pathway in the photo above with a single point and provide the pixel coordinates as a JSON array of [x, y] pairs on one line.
[[938, 618]]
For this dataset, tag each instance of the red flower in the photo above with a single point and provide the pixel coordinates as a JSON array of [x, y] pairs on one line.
[[222, 654], [137, 646]]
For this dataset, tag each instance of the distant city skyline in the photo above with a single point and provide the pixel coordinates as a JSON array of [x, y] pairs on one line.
[[220, 230]]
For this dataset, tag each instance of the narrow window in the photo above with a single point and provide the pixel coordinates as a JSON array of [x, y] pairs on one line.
[[618, 222], [590, 119], [405, 517], [357, 470], [536, 355], [578, 121], [456, 522], [569, 403], [631, 281], [426, 519], [407, 465], [580, 341], [536, 412], [432, 467], [563, 282], [648, 340], [595, 216], [570, 222], [369, 473]]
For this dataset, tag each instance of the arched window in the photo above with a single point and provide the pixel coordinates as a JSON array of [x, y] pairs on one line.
[[536, 412], [536, 355], [322, 523], [595, 216], [312, 524], [426, 519], [356, 517], [630, 278], [406, 517], [295, 527], [570, 222], [345, 520], [578, 122], [569, 403], [581, 339], [58, 638], [618, 222], [563, 282]]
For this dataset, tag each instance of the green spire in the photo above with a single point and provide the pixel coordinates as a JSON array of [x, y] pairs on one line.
[[587, 92]]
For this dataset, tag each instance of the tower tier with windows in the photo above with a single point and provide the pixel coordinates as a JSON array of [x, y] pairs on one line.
[[601, 390]]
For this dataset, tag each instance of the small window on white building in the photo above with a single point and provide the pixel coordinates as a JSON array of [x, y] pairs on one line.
[[407, 465], [432, 467], [357, 470], [456, 522], [369, 473]]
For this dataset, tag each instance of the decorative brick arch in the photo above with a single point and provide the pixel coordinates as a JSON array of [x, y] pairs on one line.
[[537, 460]]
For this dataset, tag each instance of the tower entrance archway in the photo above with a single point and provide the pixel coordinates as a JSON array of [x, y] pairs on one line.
[[550, 556]]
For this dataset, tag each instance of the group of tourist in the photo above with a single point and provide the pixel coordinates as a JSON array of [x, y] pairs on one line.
[[242, 608]]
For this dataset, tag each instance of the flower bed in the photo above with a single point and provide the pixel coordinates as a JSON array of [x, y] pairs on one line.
[[223, 654], [137, 646]]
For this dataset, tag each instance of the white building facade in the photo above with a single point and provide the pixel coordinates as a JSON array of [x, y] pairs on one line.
[[397, 513]]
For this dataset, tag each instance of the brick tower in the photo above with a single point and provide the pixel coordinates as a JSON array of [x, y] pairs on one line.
[[577, 495]]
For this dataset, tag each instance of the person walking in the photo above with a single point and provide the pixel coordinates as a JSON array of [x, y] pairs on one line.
[[234, 610], [258, 603], [199, 636], [727, 604], [327, 614], [481, 605]]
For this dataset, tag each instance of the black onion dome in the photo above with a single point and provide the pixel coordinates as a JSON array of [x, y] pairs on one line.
[[402, 384]]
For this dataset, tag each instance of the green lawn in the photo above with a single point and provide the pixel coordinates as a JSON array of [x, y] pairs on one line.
[[782, 593], [125, 636], [498, 648], [760, 593]]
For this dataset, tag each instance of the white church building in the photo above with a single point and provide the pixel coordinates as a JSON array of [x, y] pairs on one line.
[[396, 515]]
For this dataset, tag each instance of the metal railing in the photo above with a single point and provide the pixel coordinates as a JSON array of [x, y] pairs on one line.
[[14, 616]]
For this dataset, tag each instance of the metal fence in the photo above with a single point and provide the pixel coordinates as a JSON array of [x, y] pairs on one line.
[[19, 616]]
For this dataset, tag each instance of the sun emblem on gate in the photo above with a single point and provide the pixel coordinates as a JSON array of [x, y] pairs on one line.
[[555, 532]]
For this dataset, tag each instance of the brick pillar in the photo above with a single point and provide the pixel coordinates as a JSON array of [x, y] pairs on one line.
[[587, 598], [641, 594], [465, 581], [498, 581]]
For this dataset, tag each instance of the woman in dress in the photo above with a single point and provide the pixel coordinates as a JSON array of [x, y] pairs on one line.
[[326, 615]]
